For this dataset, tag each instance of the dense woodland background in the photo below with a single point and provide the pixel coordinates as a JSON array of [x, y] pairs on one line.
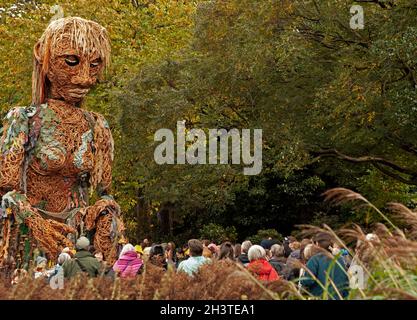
[[338, 107]]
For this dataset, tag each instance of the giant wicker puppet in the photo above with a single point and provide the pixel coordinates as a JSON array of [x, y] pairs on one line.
[[54, 154]]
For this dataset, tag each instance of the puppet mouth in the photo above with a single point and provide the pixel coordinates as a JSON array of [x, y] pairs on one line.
[[78, 93]]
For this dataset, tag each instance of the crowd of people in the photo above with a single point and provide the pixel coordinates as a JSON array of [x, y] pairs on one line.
[[316, 264]]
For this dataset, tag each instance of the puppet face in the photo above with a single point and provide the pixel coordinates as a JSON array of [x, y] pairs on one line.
[[68, 58], [71, 73]]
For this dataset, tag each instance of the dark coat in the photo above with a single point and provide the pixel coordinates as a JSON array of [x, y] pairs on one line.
[[268, 243], [320, 265], [279, 265], [292, 270], [243, 259], [83, 261]]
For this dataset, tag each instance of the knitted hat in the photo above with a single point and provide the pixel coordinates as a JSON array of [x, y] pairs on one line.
[[40, 259], [82, 243]]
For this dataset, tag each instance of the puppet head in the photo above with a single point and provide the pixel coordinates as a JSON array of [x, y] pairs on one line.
[[68, 59]]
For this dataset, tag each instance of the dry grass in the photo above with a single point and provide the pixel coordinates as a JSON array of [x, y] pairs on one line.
[[388, 258], [218, 281]]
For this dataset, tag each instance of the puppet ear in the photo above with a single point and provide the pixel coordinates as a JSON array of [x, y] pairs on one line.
[[37, 52]]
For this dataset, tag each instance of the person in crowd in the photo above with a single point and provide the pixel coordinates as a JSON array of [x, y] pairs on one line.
[[259, 265], [206, 251], [293, 265], [286, 245], [214, 249], [193, 263], [143, 249], [171, 255], [145, 244], [58, 271], [105, 268], [243, 258], [296, 259], [99, 256], [306, 253], [292, 239], [309, 251], [146, 253], [40, 269], [62, 258], [19, 275], [226, 251], [83, 261], [238, 250], [338, 250], [128, 265], [268, 243], [139, 250], [268, 254], [358, 270], [303, 244], [157, 256], [325, 272], [278, 261], [181, 255], [70, 251], [186, 251], [335, 249], [294, 246]]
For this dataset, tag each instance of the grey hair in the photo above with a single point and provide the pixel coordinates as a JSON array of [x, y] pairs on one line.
[[63, 257], [308, 251], [277, 250], [256, 252], [245, 246]]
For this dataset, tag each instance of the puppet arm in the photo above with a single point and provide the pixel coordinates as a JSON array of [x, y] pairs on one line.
[[12, 149], [104, 215]]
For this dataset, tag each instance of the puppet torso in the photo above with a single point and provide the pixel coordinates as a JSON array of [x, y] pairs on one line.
[[62, 156]]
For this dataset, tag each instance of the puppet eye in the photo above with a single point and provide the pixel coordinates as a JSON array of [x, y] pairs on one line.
[[71, 60], [95, 63]]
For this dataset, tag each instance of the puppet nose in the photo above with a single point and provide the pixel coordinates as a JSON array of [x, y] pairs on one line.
[[83, 78]]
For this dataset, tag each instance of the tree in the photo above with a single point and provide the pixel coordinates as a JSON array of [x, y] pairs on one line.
[[327, 97]]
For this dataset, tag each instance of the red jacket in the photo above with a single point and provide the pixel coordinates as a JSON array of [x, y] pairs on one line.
[[263, 270]]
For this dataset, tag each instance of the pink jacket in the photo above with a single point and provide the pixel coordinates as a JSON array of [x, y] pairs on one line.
[[128, 265]]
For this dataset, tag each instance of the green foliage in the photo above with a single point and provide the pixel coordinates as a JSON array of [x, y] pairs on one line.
[[310, 84], [218, 233], [265, 234]]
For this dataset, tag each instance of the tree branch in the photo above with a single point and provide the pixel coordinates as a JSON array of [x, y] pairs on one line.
[[379, 163], [382, 3], [398, 142], [395, 176]]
